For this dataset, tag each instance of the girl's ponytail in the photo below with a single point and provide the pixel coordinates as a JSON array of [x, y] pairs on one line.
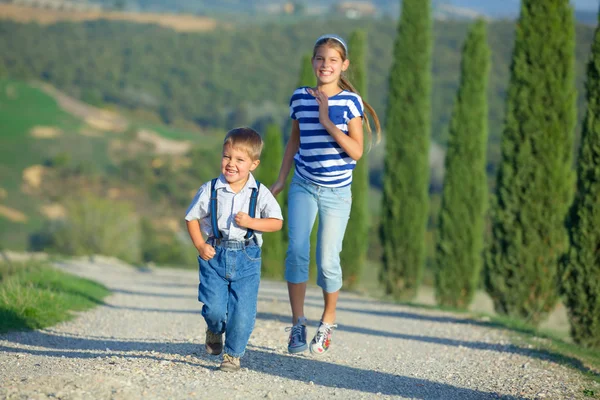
[[346, 85]]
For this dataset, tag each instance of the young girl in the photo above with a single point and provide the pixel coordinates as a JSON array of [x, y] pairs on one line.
[[325, 143]]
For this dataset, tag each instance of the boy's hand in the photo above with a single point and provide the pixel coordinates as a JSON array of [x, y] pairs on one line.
[[242, 219], [206, 251]]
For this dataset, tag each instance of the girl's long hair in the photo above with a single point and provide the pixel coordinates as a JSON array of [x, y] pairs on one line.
[[345, 84]]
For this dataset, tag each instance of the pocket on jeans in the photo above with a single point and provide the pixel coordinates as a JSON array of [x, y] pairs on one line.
[[343, 194], [252, 253]]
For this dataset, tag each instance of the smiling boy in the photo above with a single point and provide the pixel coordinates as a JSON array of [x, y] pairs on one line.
[[233, 211]]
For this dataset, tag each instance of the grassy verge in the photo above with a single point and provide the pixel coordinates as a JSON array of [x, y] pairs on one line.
[[34, 295]]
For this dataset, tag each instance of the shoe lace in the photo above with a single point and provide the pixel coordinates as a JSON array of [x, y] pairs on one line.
[[296, 332], [324, 331]]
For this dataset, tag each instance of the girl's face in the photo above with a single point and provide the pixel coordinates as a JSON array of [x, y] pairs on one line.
[[328, 65]]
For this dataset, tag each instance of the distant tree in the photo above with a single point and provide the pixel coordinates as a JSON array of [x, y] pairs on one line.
[[273, 249], [535, 179], [581, 275], [98, 226], [307, 75], [459, 247], [408, 124], [119, 5], [354, 249]]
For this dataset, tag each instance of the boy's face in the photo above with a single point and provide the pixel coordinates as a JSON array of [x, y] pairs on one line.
[[236, 165]]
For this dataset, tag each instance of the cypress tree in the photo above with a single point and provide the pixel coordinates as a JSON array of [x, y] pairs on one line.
[[307, 75], [458, 255], [408, 125], [273, 248], [581, 279], [354, 253], [535, 178]]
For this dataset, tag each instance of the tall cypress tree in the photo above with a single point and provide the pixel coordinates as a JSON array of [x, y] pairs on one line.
[[581, 280], [273, 249], [307, 75], [535, 178], [408, 126], [354, 249], [458, 256]]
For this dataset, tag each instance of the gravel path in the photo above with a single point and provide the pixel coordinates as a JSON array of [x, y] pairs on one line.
[[147, 342]]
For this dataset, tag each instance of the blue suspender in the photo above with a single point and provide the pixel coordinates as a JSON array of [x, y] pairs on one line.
[[252, 208], [213, 209]]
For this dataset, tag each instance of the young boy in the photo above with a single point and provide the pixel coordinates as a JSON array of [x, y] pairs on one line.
[[233, 211]]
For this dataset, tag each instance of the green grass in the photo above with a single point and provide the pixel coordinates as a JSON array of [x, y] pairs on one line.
[[34, 295]]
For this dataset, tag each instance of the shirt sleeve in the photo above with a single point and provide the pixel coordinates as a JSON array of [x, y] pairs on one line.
[[292, 105], [355, 107], [198, 209], [269, 208]]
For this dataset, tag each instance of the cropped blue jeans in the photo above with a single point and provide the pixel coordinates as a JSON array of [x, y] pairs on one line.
[[228, 289], [305, 201]]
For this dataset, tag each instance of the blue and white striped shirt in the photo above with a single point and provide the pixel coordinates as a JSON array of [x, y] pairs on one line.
[[320, 159]]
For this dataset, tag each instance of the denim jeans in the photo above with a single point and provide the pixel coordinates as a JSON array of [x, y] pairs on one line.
[[229, 290], [305, 201]]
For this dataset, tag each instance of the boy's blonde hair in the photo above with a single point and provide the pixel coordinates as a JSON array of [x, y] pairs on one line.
[[246, 139]]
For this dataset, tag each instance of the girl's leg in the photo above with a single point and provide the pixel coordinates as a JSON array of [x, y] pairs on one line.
[[297, 293], [330, 305], [334, 211], [302, 211]]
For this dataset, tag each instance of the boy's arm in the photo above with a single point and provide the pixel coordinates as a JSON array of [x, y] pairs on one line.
[[258, 224], [205, 250]]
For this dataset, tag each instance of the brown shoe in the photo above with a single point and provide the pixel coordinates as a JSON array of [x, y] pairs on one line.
[[213, 343], [230, 363]]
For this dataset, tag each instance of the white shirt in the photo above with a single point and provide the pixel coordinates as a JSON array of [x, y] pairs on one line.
[[229, 204]]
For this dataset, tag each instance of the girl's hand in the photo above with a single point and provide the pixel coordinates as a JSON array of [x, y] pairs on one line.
[[323, 102], [242, 219], [277, 188], [206, 251]]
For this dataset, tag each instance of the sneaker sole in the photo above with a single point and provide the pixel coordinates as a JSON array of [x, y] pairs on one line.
[[229, 369], [212, 351], [316, 353], [298, 349]]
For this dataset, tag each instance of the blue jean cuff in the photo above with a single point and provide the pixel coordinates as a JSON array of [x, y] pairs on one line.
[[234, 354]]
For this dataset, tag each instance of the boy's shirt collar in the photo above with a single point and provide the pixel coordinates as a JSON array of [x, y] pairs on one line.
[[223, 184]]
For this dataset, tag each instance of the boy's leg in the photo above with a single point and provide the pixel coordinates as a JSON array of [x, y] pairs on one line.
[[213, 293], [243, 296]]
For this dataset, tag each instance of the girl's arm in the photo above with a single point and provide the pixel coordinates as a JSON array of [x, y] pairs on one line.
[[291, 149], [353, 142]]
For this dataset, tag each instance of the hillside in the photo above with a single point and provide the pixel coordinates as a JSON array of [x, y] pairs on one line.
[[44, 16], [54, 148], [239, 76]]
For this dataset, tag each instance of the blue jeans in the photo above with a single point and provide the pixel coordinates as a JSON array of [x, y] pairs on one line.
[[229, 289], [333, 205]]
